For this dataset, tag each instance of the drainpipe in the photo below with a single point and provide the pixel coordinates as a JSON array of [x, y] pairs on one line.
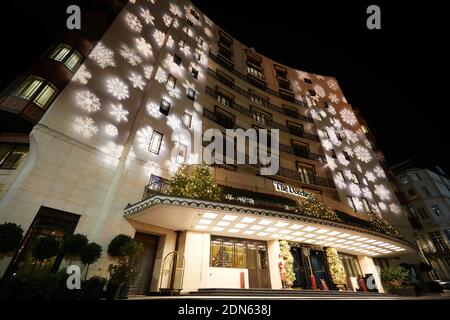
[[175, 261]]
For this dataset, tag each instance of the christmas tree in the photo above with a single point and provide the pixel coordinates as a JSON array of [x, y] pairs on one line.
[[314, 208]]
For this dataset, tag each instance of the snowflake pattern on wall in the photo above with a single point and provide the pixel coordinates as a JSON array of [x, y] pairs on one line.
[[362, 154], [302, 74], [88, 101], [172, 166], [103, 56], [117, 88], [167, 20], [332, 110], [161, 75], [111, 130], [367, 193], [136, 81], [208, 32], [113, 149], [382, 206], [129, 55], [159, 37], [152, 167], [349, 151], [342, 160], [333, 98], [355, 189], [351, 136], [332, 84], [395, 208], [148, 18], [85, 126], [175, 10], [327, 145], [144, 47], [379, 172], [320, 91], [144, 137], [382, 192], [133, 22], [339, 181], [148, 72], [173, 122], [331, 163], [348, 116], [82, 75], [119, 113], [153, 110], [370, 176]]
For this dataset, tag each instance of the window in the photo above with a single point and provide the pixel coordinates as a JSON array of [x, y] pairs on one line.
[[346, 156], [339, 136], [255, 72], [177, 59], [307, 80], [290, 111], [60, 52], [422, 213], [223, 118], [351, 203], [73, 60], [301, 149], [365, 204], [197, 54], [311, 92], [295, 128], [364, 129], [340, 175], [333, 154], [164, 107], [238, 253], [224, 98], [351, 265], [426, 191], [355, 178], [191, 93], [11, 156], [155, 142], [194, 73], [171, 81], [255, 98], [37, 90], [306, 173], [412, 194], [261, 116], [157, 183], [436, 210], [187, 119], [199, 41], [416, 176], [181, 154], [403, 180], [67, 55], [438, 241], [181, 43]]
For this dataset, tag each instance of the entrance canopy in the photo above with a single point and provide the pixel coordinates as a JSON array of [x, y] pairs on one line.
[[248, 222]]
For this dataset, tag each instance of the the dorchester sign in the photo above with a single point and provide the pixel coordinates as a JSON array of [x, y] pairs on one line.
[[281, 187]]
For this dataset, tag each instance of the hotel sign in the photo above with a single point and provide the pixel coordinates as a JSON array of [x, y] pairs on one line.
[[281, 187]]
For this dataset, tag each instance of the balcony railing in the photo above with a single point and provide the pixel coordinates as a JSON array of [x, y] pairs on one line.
[[275, 125], [244, 77]]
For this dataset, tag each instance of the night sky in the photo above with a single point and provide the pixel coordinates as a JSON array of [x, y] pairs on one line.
[[395, 75]]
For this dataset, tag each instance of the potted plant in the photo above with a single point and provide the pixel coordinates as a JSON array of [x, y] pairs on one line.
[[398, 279], [45, 248], [288, 264], [89, 255], [73, 245], [335, 267], [93, 288], [11, 236]]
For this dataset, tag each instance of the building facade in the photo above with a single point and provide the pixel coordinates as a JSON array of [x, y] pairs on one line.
[[105, 142], [428, 192]]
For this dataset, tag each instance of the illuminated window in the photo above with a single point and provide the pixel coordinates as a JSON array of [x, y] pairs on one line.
[[255, 72], [171, 81], [223, 99], [11, 155], [364, 129], [67, 55], [351, 203], [73, 60], [355, 178], [181, 154], [60, 52], [341, 175], [164, 107], [306, 174], [404, 180], [366, 205], [176, 60], [155, 142], [194, 73], [436, 210], [191, 93], [28, 88], [37, 90], [187, 120], [438, 241], [261, 116]]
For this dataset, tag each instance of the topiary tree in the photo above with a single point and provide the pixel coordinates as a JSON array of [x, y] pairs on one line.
[[73, 245], [336, 270], [288, 263], [311, 206], [45, 248], [116, 246], [90, 254], [11, 236]]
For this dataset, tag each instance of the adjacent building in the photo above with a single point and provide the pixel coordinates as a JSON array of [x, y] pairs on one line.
[[427, 189], [90, 147]]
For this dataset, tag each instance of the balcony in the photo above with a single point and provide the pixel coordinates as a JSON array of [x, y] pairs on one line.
[[275, 125], [244, 77]]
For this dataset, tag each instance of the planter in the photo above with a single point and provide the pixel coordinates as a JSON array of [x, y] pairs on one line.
[[403, 291], [124, 292], [93, 290], [112, 291]]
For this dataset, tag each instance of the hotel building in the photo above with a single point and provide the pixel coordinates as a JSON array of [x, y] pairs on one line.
[[92, 134]]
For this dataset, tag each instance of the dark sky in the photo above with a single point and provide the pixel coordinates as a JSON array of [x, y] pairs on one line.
[[395, 75]]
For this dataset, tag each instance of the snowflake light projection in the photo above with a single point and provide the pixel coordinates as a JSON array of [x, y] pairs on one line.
[[173, 122], [319, 77], [172, 166], [302, 74], [348, 117], [379, 172], [382, 206], [339, 181], [332, 84], [111, 130], [327, 145], [186, 50], [367, 193], [148, 72], [153, 110], [355, 189], [208, 32], [103, 56], [337, 124], [331, 163], [344, 100], [148, 18], [167, 20], [382, 192], [174, 92], [362, 154], [358, 167], [189, 85], [198, 107], [133, 22], [370, 176], [112, 149], [86, 126], [174, 69], [175, 10], [144, 137], [144, 47], [152, 167], [159, 37], [367, 143], [348, 174], [333, 98], [87, 101], [351, 136], [161, 75], [320, 91], [136, 81], [342, 160], [129, 55], [332, 110], [395, 208], [119, 113], [170, 42], [117, 88], [82, 75], [358, 203]]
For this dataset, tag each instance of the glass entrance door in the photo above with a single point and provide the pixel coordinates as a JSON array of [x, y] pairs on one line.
[[319, 269], [301, 269]]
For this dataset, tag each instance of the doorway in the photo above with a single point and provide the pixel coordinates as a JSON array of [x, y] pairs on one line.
[[258, 272], [145, 263], [307, 262]]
